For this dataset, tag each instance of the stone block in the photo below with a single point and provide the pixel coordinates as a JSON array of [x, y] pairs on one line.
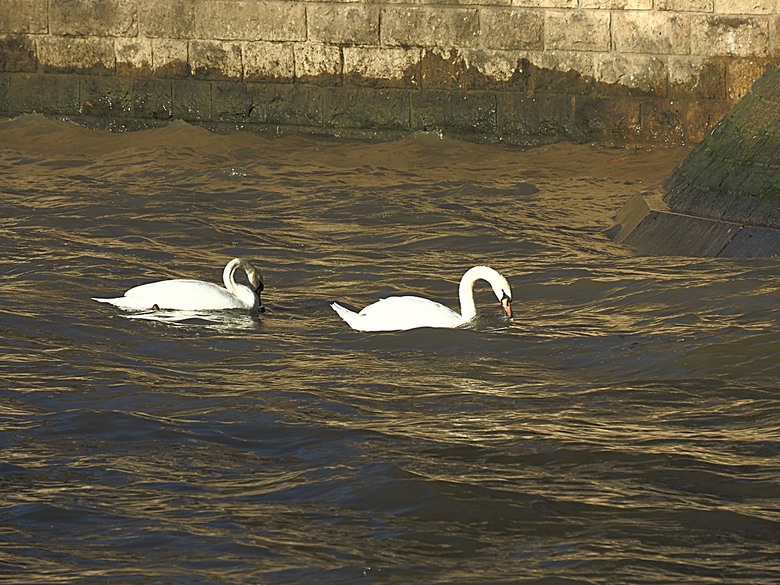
[[662, 233], [174, 19], [577, 30], [152, 98], [449, 69], [562, 71], [291, 104], [133, 56], [417, 26], [24, 16], [454, 112], [732, 36], [343, 24], [382, 67], [317, 63], [544, 3], [606, 119], [651, 32], [701, 116], [543, 115], [753, 242], [106, 96], [742, 73], [618, 4], [90, 55], [697, 77], [93, 17], [634, 212], [511, 28], [264, 61], [367, 108], [646, 224], [478, 69], [170, 58], [685, 5], [250, 20], [45, 94], [17, 53], [670, 234], [663, 121], [633, 75], [215, 60], [746, 7], [236, 103], [191, 100], [496, 70]]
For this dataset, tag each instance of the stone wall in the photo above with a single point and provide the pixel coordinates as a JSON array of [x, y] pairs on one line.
[[516, 70]]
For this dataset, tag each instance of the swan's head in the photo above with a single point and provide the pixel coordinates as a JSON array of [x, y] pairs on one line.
[[506, 303], [255, 279], [502, 290]]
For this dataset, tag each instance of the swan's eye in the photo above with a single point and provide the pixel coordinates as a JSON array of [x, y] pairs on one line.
[[260, 287], [506, 297]]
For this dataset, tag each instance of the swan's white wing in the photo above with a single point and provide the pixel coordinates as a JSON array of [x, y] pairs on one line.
[[179, 294], [401, 313]]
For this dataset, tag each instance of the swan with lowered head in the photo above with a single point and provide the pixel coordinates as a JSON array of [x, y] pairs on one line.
[[195, 295], [402, 313]]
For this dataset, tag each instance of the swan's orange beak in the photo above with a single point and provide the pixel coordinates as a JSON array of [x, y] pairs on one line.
[[506, 303]]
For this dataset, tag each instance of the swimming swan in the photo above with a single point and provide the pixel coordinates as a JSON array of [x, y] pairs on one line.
[[196, 295], [402, 313]]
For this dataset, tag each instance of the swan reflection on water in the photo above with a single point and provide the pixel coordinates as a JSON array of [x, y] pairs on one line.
[[230, 320]]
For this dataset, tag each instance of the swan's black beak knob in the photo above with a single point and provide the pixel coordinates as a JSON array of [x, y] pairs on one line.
[[260, 288]]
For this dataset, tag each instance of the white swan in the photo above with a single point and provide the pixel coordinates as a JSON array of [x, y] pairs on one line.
[[196, 295], [402, 313]]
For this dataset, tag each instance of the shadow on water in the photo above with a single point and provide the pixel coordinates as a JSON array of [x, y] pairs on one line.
[[621, 429]]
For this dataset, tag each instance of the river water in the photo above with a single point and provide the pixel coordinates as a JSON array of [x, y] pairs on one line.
[[624, 427]]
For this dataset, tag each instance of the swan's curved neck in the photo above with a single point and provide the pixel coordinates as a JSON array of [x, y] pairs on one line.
[[241, 291], [468, 308], [229, 275]]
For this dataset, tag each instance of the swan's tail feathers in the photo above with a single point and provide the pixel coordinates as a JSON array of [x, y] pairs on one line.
[[344, 313]]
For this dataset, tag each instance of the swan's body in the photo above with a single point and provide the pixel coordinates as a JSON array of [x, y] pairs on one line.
[[402, 313], [196, 295]]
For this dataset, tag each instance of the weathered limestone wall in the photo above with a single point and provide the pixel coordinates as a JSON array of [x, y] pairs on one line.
[[517, 70]]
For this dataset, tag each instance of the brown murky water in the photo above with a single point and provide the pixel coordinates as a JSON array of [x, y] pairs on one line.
[[623, 428]]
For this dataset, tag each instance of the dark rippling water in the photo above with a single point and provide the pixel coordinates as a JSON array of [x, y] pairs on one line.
[[624, 428]]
